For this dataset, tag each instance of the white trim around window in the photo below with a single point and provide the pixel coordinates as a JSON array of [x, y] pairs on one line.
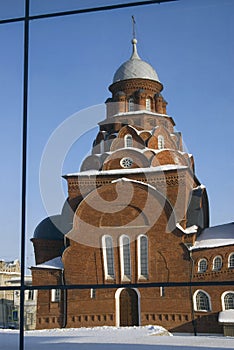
[[231, 261], [217, 263], [142, 253], [55, 295], [125, 258], [128, 141], [108, 257], [148, 104], [202, 265], [201, 301], [227, 300], [161, 142], [131, 104]]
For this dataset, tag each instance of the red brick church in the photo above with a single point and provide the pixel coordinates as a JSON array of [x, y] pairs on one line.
[[135, 213]]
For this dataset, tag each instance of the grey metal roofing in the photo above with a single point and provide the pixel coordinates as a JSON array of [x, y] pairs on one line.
[[135, 67], [216, 236]]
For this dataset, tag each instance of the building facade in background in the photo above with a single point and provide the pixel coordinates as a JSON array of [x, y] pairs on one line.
[[10, 299], [135, 214]]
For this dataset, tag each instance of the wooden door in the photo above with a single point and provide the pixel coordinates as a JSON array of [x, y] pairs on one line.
[[128, 308]]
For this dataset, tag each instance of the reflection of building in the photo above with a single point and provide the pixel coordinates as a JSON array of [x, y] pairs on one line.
[[10, 300], [139, 215], [8, 311], [30, 298]]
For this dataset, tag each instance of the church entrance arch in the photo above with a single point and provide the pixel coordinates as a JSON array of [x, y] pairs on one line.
[[127, 307]]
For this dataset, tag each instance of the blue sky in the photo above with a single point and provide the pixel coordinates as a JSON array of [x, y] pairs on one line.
[[72, 63]]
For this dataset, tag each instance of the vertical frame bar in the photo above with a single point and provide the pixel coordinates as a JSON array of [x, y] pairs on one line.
[[24, 171]]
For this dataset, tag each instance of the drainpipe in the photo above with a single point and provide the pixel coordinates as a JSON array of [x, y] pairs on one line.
[[190, 288], [64, 302], [191, 294]]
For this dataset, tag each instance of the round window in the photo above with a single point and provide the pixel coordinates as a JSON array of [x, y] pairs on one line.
[[126, 162]]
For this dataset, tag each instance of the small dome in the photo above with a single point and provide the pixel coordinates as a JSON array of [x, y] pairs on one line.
[[52, 228], [135, 68]]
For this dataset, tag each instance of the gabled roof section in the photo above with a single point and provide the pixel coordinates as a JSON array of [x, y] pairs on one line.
[[216, 236]]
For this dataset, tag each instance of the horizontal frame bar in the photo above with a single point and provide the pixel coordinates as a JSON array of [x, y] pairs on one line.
[[85, 10], [120, 285]]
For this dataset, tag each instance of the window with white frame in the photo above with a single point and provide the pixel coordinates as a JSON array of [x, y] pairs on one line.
[[160, 142], [231, 260], [202, 301], [202, 265], [228, 300], [142, 256], [108, 255], [131, 104], [125, 257], [217, 263], [148, 104], [55, 295], [128, 140]]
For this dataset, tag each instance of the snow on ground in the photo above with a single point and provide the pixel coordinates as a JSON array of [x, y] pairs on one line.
[[111, 338]]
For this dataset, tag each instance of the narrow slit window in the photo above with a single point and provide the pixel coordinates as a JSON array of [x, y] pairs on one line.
[[108, 255], [131, 104], [148, 104], [55, 295], [125, 256], [161, 142], [143, 256]]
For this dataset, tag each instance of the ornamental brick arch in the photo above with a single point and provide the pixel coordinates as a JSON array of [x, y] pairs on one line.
[[166, 157], [168, 141], [125, 159], [145, 135], [137, 141]]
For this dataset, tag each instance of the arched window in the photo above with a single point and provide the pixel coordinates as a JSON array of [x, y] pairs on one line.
[[201, 301], [217, 263], [131, 104], [142, 256], [128, 140], [148, 104], [231, 260], [108, 255], [160, 142], [202, 265], [228, 300], [125, 256]]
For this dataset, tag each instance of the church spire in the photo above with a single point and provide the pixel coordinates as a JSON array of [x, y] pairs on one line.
[[133, 28], [134, 41]]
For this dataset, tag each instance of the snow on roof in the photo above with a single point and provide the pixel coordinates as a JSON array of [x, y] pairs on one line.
[[226, 316], [188, 230], [202, 187], [128, 171], [55, 263], [140, 112], [135, 181], [216, 236]]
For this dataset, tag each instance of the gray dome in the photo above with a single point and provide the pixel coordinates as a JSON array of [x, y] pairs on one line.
[[135, 68], [52, 228]]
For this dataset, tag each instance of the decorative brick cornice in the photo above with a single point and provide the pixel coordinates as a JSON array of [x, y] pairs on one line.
[[86, 184]]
